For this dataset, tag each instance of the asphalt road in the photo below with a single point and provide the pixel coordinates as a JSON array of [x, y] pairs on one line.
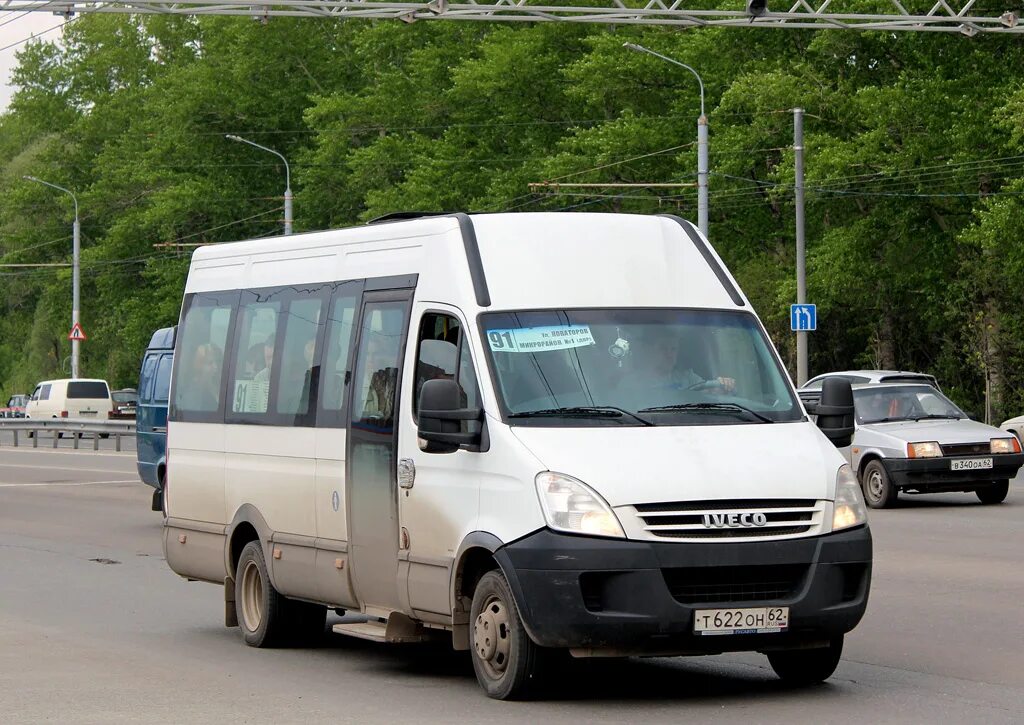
[[95, 628]]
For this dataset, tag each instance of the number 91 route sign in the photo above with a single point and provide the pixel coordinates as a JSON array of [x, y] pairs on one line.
[[803, 318]]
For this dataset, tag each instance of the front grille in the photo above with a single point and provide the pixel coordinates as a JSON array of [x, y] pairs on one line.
[[729, 584], [730, 519], [967, 449]]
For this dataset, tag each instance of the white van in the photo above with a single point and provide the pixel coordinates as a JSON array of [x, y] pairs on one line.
[[70, 398], [537, 432]]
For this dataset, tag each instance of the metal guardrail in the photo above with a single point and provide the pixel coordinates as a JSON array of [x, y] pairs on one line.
[[77, 427]]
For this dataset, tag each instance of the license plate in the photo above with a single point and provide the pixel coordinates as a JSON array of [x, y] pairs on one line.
[[970, 464], [759, 620]]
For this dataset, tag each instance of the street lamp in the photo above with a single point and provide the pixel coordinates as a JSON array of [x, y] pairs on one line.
[[702, 140], [76, 254], [287, 179]]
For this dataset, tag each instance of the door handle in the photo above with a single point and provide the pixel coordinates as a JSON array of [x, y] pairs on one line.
[[406, 473]]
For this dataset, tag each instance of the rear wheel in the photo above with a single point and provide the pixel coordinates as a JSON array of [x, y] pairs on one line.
[[259, 607], [265, 616], [879, 492], [996, 493], [807, 666], [505, 659]]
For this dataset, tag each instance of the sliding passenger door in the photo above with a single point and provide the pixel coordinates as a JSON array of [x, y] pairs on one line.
[[372, 449]]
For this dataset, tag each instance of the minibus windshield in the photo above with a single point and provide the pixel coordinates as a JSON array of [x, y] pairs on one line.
[[635, 367]]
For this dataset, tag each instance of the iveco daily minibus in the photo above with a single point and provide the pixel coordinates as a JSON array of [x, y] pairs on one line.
[[531, 433]]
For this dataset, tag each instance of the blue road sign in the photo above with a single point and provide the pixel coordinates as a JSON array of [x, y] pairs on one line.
[[803, 318]]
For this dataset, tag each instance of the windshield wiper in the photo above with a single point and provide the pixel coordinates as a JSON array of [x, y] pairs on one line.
[[887, 420], [731, 407], [581, 411], [932, 416]]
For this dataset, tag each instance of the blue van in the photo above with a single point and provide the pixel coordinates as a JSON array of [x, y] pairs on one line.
[[151, 415]]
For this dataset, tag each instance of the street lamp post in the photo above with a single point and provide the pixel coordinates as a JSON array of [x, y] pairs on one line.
[[702, 140], [287, 179], [75, 257]]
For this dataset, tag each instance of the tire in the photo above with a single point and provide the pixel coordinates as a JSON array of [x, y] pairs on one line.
[[259, 607], [996, 493], [506, 661], [104, 436], [803, 667], [879, 493], [265, 616]]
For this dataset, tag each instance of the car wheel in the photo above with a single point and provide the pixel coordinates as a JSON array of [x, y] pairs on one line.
[[879, 492], [996, 493], [260, 608], [506, 661], [807, 666]]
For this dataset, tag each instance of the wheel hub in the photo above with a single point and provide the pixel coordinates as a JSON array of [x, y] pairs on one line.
[[252, 597], [491, 636], [875, 485]]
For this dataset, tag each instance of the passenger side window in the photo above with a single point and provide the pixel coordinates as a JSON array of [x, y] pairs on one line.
[[163, 379], [199, 378], [335, 372], [146, 377], [298, 374], [44, 392], [254, 354], [443, 353]]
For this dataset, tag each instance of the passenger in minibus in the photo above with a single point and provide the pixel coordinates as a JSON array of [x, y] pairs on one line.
[[203, 393]]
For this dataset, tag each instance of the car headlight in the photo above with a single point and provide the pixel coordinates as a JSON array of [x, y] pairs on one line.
[[1004, 445], [931, 449], [570, 505], [849, 507]]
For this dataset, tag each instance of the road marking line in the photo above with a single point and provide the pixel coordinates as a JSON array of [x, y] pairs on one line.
[[65, 451], [69, 483], [63, 468]]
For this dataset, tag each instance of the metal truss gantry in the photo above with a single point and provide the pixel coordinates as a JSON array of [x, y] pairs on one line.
[[952, 16]]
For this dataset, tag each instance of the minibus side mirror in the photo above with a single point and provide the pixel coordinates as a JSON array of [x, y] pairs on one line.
[[835, 411], [440, 416]]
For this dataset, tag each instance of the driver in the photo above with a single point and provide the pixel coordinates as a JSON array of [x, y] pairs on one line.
[[659, 367]]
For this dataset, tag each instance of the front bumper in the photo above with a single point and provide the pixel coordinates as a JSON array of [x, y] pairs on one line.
[[935, 475], [619, 597]]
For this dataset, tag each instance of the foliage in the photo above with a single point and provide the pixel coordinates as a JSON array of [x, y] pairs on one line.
[[914, 167]]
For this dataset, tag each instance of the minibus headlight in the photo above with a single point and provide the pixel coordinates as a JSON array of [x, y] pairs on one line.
[[849, 507], [1004, 445], [570, 505]]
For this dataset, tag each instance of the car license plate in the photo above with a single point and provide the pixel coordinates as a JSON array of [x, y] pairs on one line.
[[970, 464], [759, 620]]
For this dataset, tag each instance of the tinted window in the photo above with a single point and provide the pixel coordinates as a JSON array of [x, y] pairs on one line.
[[254, 354], [146, 377], [163, 379], [335, 372], [204, 333], [87, 389], [302, 323], [44, 392]]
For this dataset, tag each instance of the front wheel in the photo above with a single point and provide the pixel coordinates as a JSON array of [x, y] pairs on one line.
[[996, 493], [879, 493], [505, 659], [807, 666]]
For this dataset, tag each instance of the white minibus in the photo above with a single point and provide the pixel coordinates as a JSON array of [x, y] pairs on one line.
[[535, 434]]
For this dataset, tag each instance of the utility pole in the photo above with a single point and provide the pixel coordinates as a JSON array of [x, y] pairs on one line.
[[801, 267], [76, 247], [702, 140], [287, 178]]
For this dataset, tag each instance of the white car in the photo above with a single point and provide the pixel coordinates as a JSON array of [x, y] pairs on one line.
[[1014, 425]]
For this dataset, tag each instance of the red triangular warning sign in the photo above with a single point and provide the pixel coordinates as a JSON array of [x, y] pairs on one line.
[[77, 333]]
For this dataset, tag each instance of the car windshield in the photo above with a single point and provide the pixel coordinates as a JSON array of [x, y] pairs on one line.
[[887, 403], [635, 367]]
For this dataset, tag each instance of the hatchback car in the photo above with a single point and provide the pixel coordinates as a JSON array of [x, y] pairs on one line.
[[125, 402], [15, 407], [911, 438]]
